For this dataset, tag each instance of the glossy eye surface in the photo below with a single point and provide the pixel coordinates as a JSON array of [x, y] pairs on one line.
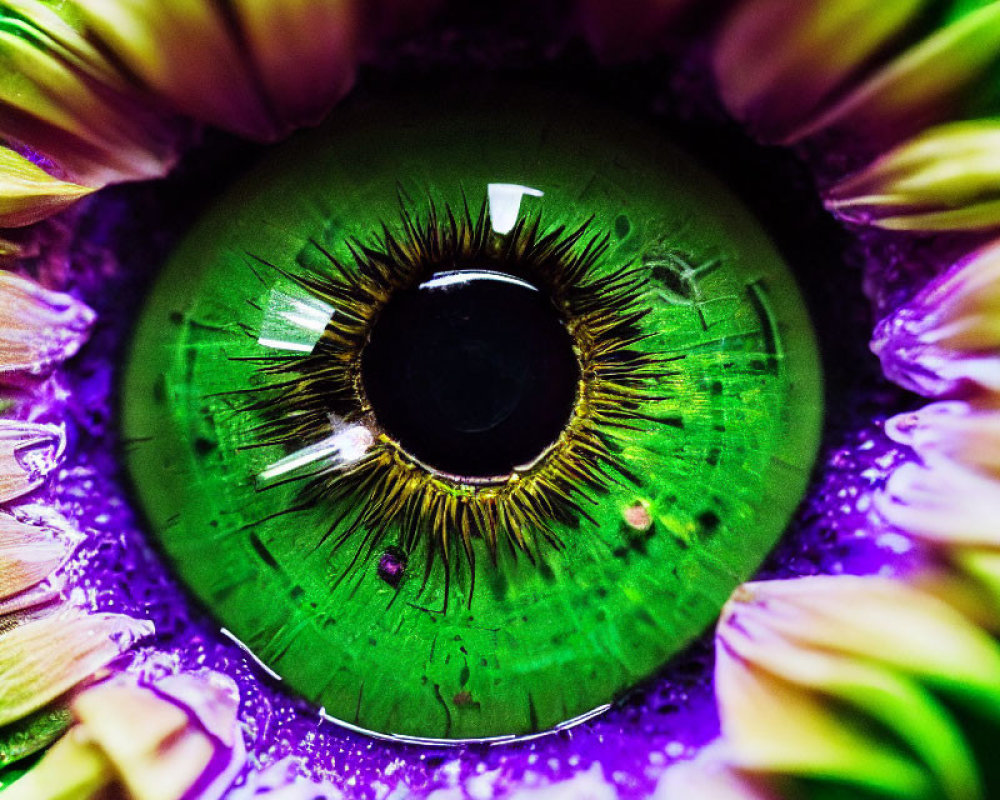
[[442, 576]]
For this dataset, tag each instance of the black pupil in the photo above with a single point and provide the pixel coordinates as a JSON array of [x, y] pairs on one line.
[[473, 373]]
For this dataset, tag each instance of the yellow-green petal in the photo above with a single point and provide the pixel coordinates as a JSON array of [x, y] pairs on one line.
[[925, 84], [945, 179], [982, 566], [777, 61], [182, 50], [270, 67], [896, 702], [899, 627], [94, 132], [44, 656], [29, 194], [962, 311], [72, 769], [772, 726], [9, 250], [968, 578]]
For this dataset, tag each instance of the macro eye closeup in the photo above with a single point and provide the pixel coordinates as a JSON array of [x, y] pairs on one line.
[[572, 399], [573, 458]]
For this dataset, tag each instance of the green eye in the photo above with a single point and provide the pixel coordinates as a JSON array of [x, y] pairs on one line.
[[464, 428]]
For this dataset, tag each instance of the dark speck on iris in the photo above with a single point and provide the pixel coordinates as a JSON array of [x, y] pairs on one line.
[[392, 566]]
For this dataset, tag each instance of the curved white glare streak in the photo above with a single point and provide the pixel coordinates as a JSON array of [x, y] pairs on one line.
[[442, 280], [250, 653], [294, 322], [505, 204], [346, 445]]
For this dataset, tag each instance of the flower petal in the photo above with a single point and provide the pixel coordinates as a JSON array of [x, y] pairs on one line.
[[139, 739], [38, 327], [40, 595], [61, 99], [57, 30], [28, 555], [880, 621], [266, 69], [774, 727], [943, 503], [966, 432], [777, 61], [949, 335], [926, 84], [963, 307], [29, 194], [899, 704], [983, 565], [968, 579], [152, 742], [945, 179], [304, 52], [9, 250], [28, 453], [42, 657]]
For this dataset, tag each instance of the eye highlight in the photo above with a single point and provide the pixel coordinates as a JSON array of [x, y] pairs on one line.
[[697, 405]]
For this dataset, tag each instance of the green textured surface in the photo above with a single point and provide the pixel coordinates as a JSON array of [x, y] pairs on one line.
[[33, 733], [538, 645]]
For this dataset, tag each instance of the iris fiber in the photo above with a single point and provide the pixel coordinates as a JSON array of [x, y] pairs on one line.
[[567, 456], [511, 640]]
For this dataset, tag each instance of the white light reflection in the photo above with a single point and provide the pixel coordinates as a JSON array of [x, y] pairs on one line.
[[293, 322], [487, 740], [442, 280], [346, 445], [505, 204], [253, 656]]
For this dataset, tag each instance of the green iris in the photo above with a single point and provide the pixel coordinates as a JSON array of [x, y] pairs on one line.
[[575, 505]]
